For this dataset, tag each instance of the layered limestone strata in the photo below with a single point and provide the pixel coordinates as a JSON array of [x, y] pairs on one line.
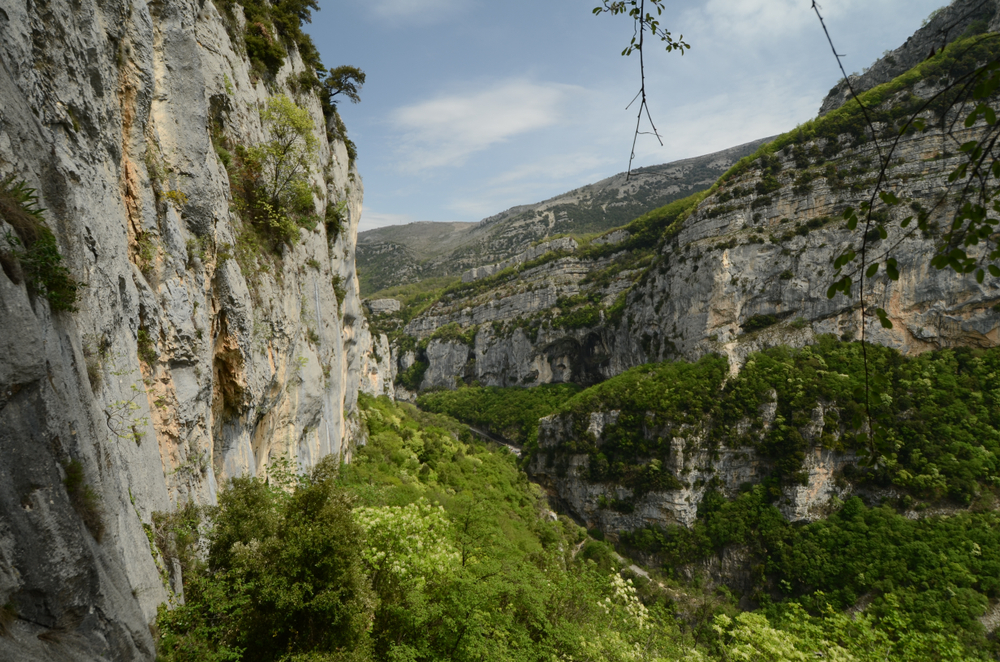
[[181, 368], [746, 271]]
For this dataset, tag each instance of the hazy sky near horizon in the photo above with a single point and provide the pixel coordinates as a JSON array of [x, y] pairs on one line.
[[471, 107]]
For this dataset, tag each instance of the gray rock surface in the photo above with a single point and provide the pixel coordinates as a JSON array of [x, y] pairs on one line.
[[380, 306], [105, 107], [409, 253], [700, 469], [533, 253]]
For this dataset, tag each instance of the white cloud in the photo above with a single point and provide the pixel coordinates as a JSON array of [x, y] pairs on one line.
[[530, 182], [552, 169], [756, 21], [421, 11], [446, 130]]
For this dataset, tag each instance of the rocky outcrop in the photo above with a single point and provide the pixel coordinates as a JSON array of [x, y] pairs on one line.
[[613, 508], [943, 27], [746, 271], [191, 357], [565, 244], [382, 306], [757, 275]]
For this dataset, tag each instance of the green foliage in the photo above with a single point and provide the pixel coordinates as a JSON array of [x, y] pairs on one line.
[[505, 584], [941, 410], [176, 536], [429, 545], [339, 290], [581, 318], [34, 247], [412, 377], [84, 499], [284, 577], [270, 181], [334, 219], [936, 573], [647, 231], [346, 80], [145, 347], [511, 413], [339, 132], [288, 156], [453, 332], [272, 28]]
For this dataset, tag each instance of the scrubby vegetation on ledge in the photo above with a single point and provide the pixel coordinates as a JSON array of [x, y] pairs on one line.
[[942, 410]]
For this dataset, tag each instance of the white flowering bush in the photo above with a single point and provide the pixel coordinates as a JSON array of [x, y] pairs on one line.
[[624, 603], [408, 545]]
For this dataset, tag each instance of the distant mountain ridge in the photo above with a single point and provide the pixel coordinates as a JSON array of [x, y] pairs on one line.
[[398, 255]]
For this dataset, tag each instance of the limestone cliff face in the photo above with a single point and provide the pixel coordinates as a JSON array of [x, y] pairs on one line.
[[181, 368], [739, 265], [700, 469], [746, 271]]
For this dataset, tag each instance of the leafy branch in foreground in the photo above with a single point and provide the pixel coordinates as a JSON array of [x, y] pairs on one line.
[[642, 21]]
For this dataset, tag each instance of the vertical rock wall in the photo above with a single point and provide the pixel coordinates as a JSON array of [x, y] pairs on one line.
[[181, 368]]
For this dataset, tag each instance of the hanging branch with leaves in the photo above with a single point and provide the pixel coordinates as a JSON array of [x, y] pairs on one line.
[[643, 21]]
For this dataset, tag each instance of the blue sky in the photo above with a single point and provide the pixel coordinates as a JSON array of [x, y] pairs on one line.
[[471, 107]]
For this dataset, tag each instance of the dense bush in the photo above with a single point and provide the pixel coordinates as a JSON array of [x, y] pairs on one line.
[[271, 28], [512, 413], [933, 571], [270, 181], [439, 553], [430, 546]]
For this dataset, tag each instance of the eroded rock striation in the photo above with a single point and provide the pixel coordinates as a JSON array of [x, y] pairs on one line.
[[191, 358]]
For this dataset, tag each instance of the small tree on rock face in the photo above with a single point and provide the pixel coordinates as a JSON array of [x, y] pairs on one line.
[[272, 188], [286, 159], [346, 80]]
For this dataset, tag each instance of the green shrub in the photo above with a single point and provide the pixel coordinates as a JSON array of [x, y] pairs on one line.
[[334, 219], [272, 28], [453, 332], [412, 377], [146, 347], [283, 577], [270, 181], [581, 318], [34, 247]]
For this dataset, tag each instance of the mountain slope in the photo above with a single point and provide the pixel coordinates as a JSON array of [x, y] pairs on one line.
[[397, 255]]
